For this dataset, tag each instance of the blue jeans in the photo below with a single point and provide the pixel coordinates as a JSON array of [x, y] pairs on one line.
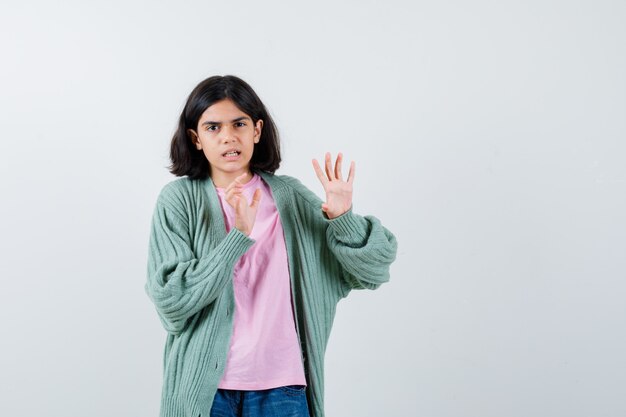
[[287, 401]]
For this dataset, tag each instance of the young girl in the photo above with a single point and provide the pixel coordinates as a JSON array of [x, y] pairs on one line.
[[246, 267]]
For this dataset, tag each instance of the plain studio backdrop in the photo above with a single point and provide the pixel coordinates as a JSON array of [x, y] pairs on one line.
[[489, 137]]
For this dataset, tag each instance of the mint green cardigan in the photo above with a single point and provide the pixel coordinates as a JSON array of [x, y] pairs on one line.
[[190, 265]]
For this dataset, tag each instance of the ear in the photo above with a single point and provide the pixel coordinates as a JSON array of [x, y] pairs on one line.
[[257, 130], [194, 138]]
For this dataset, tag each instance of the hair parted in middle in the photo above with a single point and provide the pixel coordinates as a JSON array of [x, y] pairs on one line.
[[188, 160]]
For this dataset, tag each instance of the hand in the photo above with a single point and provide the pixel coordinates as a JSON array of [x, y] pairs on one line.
[[245, 214], [338, 191]]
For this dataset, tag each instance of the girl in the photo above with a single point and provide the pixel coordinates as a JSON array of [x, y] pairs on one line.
[[245, 267]]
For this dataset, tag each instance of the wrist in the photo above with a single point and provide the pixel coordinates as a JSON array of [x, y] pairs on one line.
[[243, 230], [331, 215]]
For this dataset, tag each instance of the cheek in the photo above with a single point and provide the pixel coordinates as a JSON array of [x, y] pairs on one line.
[[210, 154]]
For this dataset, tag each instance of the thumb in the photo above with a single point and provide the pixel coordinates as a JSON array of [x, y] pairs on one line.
[[256, 198]]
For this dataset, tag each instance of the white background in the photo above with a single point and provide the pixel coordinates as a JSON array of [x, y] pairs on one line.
[[488, 136]]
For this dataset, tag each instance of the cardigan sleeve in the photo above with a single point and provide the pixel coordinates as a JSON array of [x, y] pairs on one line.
[[361, 244], [179, 283], [364, 248]]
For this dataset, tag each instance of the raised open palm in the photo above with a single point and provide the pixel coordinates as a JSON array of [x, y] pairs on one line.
[[338, 191]]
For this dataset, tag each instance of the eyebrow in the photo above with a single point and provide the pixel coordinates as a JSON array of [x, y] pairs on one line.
[[208, 122]]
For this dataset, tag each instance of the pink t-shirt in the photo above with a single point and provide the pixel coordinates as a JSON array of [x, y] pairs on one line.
[[264, 351]]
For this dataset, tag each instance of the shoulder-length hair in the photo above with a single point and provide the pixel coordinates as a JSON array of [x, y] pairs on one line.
[[191, 161]]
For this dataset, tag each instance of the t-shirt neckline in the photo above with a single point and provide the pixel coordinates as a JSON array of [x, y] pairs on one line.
[[251, 183]]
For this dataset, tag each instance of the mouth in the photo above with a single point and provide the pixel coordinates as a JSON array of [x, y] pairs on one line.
[[231, 153]]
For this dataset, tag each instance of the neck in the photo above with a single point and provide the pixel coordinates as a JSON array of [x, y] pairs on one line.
[[223, 180]]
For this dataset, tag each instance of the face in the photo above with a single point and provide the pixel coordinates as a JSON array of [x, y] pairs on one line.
[[223, 128]]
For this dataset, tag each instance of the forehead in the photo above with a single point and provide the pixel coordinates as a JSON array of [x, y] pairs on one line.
[[222, 111]]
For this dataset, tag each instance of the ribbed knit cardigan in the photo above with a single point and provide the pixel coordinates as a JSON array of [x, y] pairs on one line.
[[190, 268]]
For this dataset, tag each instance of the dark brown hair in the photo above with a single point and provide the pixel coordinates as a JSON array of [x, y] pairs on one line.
[[191, 161]]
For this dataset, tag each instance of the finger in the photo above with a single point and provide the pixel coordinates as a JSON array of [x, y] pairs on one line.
[[235, 183], [239, 179], [236, 205], [351, 173], [256, 198], [241, 205], [233, 186], [329, 168], [232, 201], [338, 167], [232, 192], [319, 173]]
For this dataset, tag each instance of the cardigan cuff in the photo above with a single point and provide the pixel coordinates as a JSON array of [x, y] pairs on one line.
[[349, 227], [236, 243]]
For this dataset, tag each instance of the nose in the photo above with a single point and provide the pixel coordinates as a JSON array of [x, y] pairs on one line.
[[227, 134]]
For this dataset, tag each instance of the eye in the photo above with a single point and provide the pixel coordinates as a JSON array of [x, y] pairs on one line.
[[210, 127], [240, 123]]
